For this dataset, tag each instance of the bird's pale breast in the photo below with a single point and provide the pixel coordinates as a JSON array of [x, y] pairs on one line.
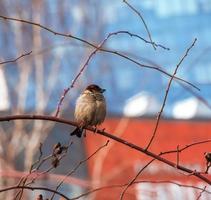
[[90, 109], [85, 109]]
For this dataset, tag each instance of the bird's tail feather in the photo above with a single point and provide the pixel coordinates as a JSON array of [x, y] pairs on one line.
[[78, 132]]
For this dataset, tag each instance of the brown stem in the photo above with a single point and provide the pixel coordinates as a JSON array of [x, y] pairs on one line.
[[167, 92], [16, 59], [108, 135]]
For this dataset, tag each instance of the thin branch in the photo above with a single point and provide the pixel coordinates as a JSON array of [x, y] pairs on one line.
[[141, 38], [39, 158], [39, 163], [75, 37], [111, 136], [142, 19], [138, 182], [134, 179], [78, 165], [186, 147], [24, 178], [15, 59], [167, 91], [34, 188], [94, 46], [201, 193]]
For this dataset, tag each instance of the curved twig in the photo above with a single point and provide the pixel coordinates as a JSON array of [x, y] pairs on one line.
[[137, 182], [94, 46], [15, 59], [167, 91], [113, 137], [143, 21], [34, 188]]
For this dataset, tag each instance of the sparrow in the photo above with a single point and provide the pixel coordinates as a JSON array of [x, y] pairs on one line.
[[90, 109]]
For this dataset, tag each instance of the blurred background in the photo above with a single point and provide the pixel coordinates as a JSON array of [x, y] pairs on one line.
[[134, 94]]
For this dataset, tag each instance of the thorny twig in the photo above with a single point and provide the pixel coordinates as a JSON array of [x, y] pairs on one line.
[[167, 91]]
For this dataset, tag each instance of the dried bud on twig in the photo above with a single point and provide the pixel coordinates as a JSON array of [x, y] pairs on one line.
[[58, 149], [55, 162], [57, 145]]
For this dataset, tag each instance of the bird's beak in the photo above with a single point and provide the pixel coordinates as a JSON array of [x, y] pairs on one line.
[[103, 90]]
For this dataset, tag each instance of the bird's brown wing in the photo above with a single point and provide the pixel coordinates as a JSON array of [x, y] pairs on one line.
[[100, 112]]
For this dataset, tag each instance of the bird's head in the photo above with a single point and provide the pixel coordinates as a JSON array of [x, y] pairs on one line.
[[95, 88]]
